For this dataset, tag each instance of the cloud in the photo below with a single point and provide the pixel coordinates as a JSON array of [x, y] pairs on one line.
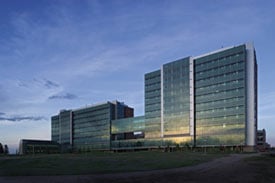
[[50, 84], [36, 82], [22, 118], [26, 93], [2, 113], [68, 96], [21, 84]]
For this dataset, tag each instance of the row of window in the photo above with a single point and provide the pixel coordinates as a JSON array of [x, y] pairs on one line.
[[219, 91], [104, 107], [218, 78], [176, 85], [152, 100], [152, 112], [220, 101], [88, 140], [127, 128], [91, 134], [92, 119], [216, 68], [96, 124], [152, 80], [237, 118], [176, 119], [177, 110], [218, 109], [151, 95], [225, 66], [176, 76], [177, 64], [92, 115], [223, 84], [168, 113], [151, 75], [219, 113], [178, 95], [152, 109], [152, 117], [152, 86], [221, 95], [219, 60], [80, 124]]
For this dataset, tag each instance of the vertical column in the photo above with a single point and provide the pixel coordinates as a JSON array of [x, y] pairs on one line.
[[71, 127], [191, 83], [60, 131], [162, 104], [250, 96]]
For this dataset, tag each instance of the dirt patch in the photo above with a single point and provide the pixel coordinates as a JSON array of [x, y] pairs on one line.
[[233, 168]]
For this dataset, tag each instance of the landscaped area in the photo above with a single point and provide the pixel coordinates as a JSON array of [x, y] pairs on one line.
[[100, 162], [136, 167]]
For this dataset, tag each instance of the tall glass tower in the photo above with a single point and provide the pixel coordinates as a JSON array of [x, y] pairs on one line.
[[225, 88], [204, 100]]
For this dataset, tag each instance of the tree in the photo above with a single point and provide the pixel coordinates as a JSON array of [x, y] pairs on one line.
[[6, 149], [1, 149]]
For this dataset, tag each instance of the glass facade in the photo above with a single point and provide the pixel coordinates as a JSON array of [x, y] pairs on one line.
[[128, 132], [65, 122], [88, 128], [167, 105], [55, 128], [176, 98], [208, 100], [38, 147], [125, 125], [220, 95], [153, 105], [91, 127]]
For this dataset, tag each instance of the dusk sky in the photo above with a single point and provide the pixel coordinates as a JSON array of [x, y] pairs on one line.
[[62, 54]]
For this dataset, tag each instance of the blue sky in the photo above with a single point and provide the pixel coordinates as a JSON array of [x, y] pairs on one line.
[[62, 54]]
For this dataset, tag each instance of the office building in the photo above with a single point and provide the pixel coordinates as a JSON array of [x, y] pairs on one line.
[[206, 100], [27, 146], [225, 97], [89, 127], [262, 145]]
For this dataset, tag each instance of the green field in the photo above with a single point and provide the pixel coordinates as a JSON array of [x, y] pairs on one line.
[[265, 165], [99, 162]]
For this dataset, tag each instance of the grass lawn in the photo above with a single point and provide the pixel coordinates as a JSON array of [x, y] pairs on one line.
[[265, 166], [99, 162]]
